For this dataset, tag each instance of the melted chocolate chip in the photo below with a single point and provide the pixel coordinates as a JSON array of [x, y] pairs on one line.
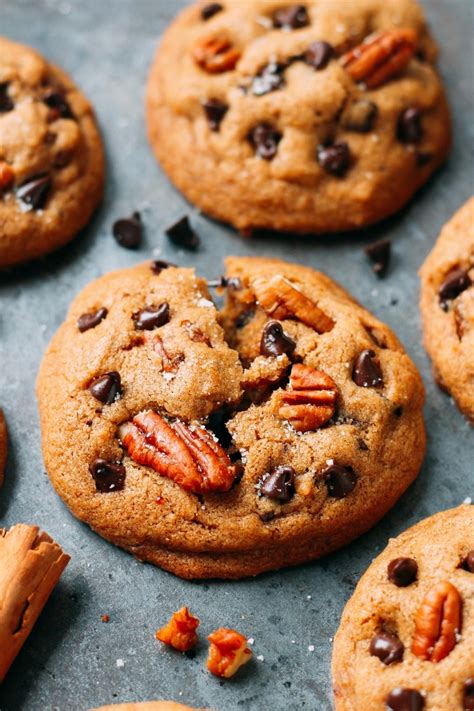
[[6, 104], [34, 192], [340, 481], [468, 695], [319, 54], [270, 78], [267, 516], [279, 485], [265, 140], [379, 255], [360, 116], [58, 104], [275, 341], [409, 129], [387, 647], [128, 231], [367, 372], [291, 18], [468, 562], [158, 265], [334, 158], [106, 388], [362, 445], [108, 476], [91, 320], [405, 700], [402, 571], [152, 317], [457, 281], [182, 234], [210, 10], [215, 111]]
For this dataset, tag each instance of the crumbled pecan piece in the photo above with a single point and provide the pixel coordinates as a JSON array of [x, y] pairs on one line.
[[216, 55], [195, 333], [310, 400], [170, 364], [282, 300], [6, 176], [180, 631], [189, 455], [437, 623], [227, 653], [381, 56]]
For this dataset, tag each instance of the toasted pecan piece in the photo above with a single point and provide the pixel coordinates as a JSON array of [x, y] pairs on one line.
[[180, 631], [438, 622], [310, 400], [216, 55], [227, 653]]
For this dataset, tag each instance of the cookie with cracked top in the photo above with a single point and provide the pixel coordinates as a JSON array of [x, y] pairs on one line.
[[411, 647], [447, 308], [311, 117], [220, 447], [50, 184], [3, 445]]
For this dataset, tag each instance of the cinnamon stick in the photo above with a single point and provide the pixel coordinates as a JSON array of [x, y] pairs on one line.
[[31, 564]]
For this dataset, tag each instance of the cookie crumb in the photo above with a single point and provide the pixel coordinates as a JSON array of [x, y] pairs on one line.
[[105, 618]]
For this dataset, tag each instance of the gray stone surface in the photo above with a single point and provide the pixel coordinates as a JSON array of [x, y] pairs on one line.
[[71, 659]]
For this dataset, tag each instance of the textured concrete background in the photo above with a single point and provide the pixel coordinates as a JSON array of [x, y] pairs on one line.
[[71, 659]]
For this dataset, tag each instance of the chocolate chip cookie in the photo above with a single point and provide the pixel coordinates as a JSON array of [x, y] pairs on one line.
[[311, 117], [447, 308], [51, 156], [226, 443], [3, 445], [406, 640], [146, 706]]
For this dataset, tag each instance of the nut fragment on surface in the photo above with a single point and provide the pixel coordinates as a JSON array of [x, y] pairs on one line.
[[309, 401], [438, 622], [216, 55], [227, 653], [180, 631]]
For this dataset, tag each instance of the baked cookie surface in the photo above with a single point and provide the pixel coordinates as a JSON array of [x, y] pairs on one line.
[[389, 652], [308, 117], [3, 445], [447, 308], [224, 444], [51, 156]]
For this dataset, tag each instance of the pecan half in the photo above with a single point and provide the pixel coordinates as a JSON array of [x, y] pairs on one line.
[[381, 56], [6, 176], [437, 623], [310, 400], [189, 455], [216, 55], [180, 632], [228, 652], [281, 300]]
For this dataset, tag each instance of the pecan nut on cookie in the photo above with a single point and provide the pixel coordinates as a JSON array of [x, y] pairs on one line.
[[406, 639], [226, 443], [51, 156], [310, 117]]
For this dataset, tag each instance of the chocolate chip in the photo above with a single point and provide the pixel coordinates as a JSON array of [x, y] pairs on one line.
[[319, 54], [340, 481], [409, 128], [215, 111], [279, 485], [402, 572], [267, 516], [62, 159], [34, 192], [275, 341], [291, 18], [158, 265], [270, 78], [152, 317], [405, 700], [58, 104], [106, 388], [398, 412], [367, 372], [360, 116], [108, 476], [362, 445], [182, 234], [210, 10], [387, 647], [457, 281], [334, 158], [128, 231], [468, 562], [468, 696], [379, 255], [265, 140], [6, 104], [91, 320]]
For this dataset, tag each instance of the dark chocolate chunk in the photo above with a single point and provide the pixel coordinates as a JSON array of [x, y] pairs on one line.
[[402, 571], [457, 281], [334, 158], [215, 111], [270, 78], [58, 104], [319, 54], [291, 18], [360, 116], [362, 445], [182, 234], [279, 485], [6, 103], [275, 341], [409, 129], [367, 372], [106, 388], [265, 140], [91, 320], [108, 476], [152, 317], [34, 192], [210, 10], [468, 562], [405, 700], [387, 647], [340, 481], [128, 231], [158, 265], [468, 695], [379, 255]]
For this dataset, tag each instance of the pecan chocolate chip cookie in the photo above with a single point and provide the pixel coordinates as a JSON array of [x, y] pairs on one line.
[[226, 443], [51, 157], [406, 639], [311, 117], [3, 445], [447, 308]]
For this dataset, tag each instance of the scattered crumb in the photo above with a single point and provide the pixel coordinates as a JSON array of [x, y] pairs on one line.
[[250, 641], [311, 648], [119, 663], [309, 597], [260, 658], [105, 618]]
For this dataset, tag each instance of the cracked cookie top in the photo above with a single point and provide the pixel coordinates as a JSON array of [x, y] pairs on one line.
[[279, 427], [312, 117], [51, 158]]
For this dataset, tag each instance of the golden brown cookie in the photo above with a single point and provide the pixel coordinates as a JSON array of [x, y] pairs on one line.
[[51, 156], [406, 639], [146, 706], [311, 117], [224, 444], [3, 445], [447, 308]]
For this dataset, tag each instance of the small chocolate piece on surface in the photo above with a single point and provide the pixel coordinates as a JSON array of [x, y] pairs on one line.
[[457, 281], [108, 476], [291, 18], [405, 700], [158, 265], [215, 111], [468, 694], [468, 562], [152, 317], [210, 10], [340, 481], [6, 103], [59, 105], [91, 320], [106, 388], [379, 254], [275, 341], [265, 140], [182, 234], [402, 571], [279, 484], [409, 129], [319, 54], [128, 231], [367, 372], [334, 158], [387, 647]]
